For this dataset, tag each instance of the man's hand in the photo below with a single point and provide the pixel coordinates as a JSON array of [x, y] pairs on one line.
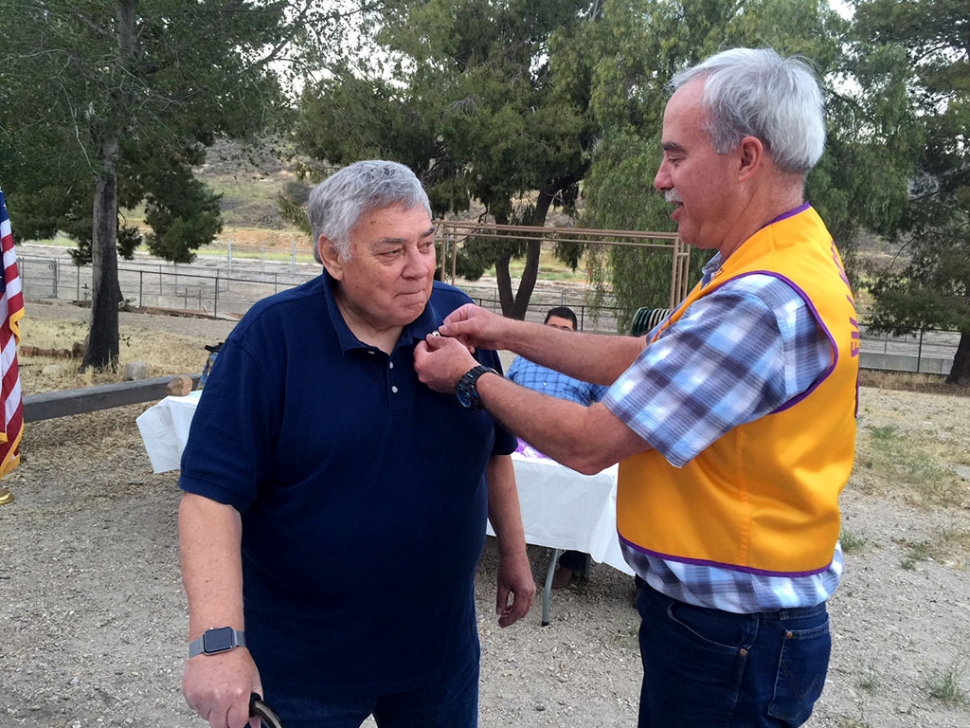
[[515, 579], [474, 327], [440, 362], [218, 687]]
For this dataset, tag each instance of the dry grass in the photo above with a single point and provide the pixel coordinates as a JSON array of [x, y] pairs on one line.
[[906, 382], [950, 547], [912, 466], [163, 352]]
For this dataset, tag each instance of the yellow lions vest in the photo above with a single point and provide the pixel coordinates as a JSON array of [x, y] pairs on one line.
[[764, 497]]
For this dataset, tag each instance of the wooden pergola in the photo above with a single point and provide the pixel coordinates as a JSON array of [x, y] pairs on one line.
[[453, 233]]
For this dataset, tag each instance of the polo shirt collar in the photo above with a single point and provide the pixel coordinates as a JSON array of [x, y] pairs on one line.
[[428, 321]]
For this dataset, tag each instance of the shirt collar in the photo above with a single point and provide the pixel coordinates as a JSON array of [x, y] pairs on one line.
[[710, 268], [428, 321]]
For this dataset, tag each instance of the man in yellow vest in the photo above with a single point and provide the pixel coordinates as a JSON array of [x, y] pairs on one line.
[[733, 420]]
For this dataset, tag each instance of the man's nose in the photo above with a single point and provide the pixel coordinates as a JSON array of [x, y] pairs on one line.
[[661, 180], [417, 264]]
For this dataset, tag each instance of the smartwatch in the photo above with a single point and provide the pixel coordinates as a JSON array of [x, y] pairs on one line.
[[467, 388], [214, 641]]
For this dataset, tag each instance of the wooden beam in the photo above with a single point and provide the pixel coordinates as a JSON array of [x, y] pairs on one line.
[[47, 405]]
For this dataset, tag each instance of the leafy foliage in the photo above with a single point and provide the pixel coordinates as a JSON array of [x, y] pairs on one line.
[[639, 47], [931, 288], [481, 99], [110, 105]]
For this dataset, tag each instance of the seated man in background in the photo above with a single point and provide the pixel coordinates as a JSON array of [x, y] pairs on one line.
[[556, 384]]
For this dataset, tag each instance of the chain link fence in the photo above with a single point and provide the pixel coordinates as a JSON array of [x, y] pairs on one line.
[[212, 288]]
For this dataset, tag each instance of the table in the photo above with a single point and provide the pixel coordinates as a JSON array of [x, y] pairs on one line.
[[566, 510], [164, 429], [561, 508]]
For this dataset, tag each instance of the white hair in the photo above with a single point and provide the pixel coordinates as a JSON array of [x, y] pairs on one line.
[[336, 205], [756, 92]]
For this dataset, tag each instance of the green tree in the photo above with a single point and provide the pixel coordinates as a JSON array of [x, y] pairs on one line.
[[931, 289], [108, 105], [640, 46], [483, 100]]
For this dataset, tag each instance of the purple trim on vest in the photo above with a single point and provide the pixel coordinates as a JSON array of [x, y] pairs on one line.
[[811, 307], [717, 564], [785, 215]]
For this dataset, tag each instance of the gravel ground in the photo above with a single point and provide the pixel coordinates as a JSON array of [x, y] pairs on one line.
[[93, 617]]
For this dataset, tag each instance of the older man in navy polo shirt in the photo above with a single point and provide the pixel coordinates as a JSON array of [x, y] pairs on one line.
[[334, 507]]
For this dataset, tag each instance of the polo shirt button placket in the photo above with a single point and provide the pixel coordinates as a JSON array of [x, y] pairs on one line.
[[396, 403]]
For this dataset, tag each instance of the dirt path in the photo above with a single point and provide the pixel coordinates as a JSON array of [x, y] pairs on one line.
[[93, 618]]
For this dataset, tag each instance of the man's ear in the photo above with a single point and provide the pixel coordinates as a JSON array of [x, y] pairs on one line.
[[317, 244], [331, 258], [752, 156]]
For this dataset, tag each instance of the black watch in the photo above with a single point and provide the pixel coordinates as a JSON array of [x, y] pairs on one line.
[[214, 641], [467, 388]]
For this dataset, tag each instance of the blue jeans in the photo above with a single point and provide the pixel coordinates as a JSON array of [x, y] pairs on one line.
[[451, 703], [705, 667]]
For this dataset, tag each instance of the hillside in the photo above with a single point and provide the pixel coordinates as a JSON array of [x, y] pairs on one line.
[[250, 183]]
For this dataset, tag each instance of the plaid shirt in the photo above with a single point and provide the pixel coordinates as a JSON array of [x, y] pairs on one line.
[[735, 355], [530, 375]]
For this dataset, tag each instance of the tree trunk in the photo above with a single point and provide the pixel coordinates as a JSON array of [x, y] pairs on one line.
[[527, 283], [503, 280], [103, 337], [518, 305], [960, 371]]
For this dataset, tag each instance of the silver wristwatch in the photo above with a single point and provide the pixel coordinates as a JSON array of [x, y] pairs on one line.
[[214, 641]]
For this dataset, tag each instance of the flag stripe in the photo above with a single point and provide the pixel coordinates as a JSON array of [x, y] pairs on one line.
[[11, 311]]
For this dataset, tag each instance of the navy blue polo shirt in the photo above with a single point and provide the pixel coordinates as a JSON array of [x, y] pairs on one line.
[[362, 494]]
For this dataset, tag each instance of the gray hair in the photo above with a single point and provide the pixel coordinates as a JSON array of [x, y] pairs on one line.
[[337, 204], [759, 93]]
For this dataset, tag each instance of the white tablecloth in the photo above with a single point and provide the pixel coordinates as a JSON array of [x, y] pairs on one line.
[[561, 508], [164, 429]]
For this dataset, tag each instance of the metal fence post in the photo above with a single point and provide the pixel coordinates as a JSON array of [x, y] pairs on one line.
[[215, 300], [141, 288]]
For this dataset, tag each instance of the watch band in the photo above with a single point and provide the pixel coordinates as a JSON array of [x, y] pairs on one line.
[[467, 388], [216, 640]]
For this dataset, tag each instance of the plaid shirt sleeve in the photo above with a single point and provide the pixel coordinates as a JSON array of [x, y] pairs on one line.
[[734, 356]]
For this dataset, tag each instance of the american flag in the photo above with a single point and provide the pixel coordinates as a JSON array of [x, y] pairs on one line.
[[11, 311]]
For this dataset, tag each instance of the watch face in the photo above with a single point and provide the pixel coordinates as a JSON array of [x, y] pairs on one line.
[[217, 640], [465, 390]]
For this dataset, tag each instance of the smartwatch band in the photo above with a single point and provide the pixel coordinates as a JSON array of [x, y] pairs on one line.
[[214, 641]]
